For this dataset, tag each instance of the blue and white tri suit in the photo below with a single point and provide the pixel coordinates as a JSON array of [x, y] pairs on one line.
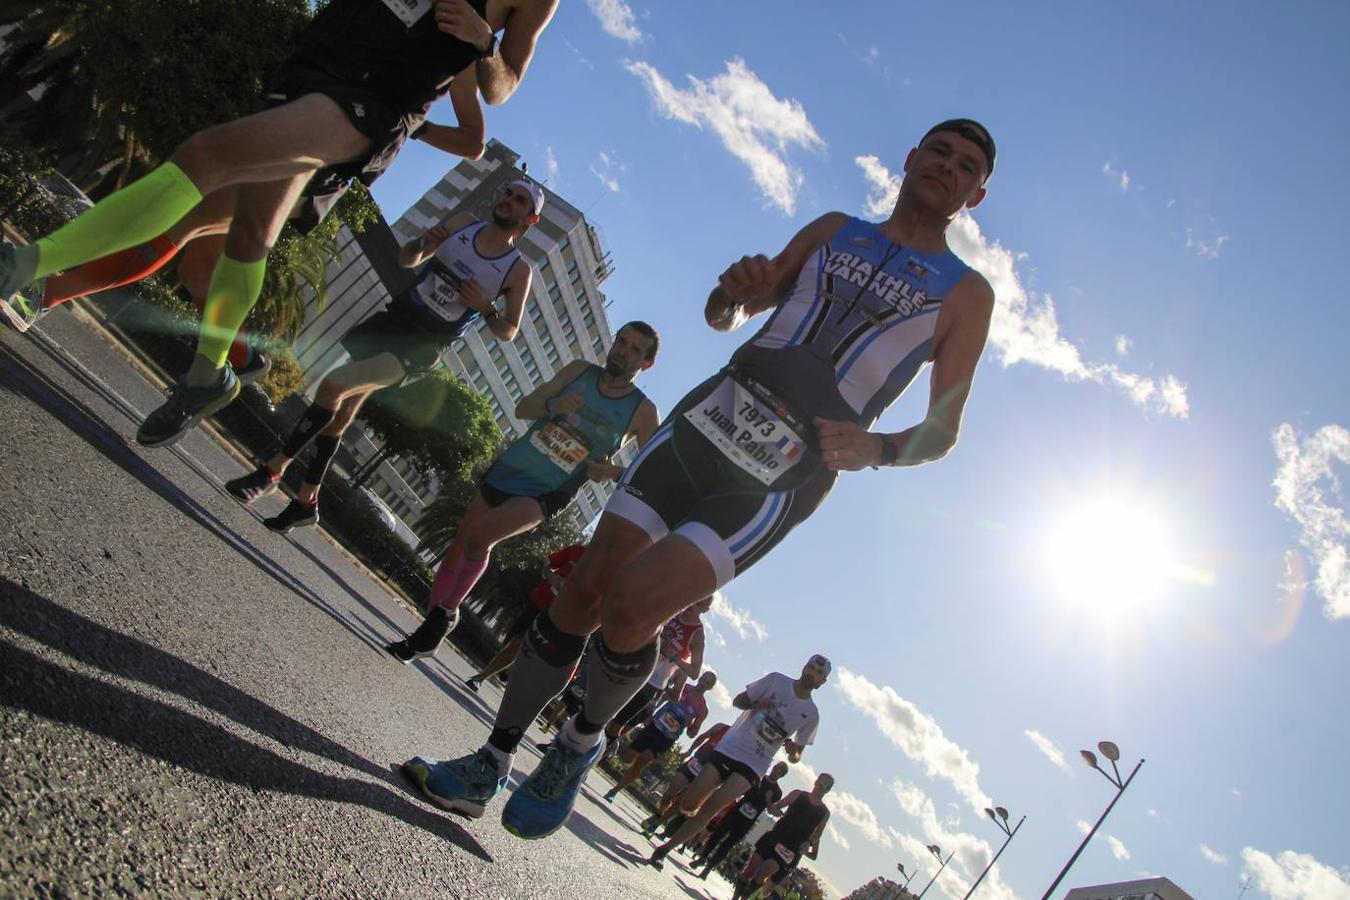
[[736, 465]]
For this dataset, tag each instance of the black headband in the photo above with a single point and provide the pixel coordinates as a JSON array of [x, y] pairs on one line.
[[972, 131]]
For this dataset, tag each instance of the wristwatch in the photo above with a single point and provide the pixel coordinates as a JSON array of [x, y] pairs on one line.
[[491, 315], [890, 452], [491, 49]]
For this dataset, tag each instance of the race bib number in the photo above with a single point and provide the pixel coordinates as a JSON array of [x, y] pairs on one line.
[[669, 724], [783, 853], [748, 809], [694, 767], [408, 11], [747, 431], [561, 444], [771, 731]]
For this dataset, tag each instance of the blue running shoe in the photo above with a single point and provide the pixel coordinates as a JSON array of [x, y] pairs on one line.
[[185, 407], [543, 801], [465, 785]]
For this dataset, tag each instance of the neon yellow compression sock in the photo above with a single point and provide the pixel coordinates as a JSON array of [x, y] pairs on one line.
[[142, 210], [235, 287]]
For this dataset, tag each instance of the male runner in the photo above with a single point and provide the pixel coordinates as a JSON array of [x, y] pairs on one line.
[[738, 820], [667, 811], [469, 264], [778, 712], [858, 308], [200, 235], [361, 79], [781, 848], [555, 570], [664, 728], [582, 416], [682, 644]]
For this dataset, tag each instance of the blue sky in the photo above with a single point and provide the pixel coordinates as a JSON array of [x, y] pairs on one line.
[[1141, 536]]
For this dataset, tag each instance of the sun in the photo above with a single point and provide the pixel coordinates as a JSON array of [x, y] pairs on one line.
[[1113, 555]]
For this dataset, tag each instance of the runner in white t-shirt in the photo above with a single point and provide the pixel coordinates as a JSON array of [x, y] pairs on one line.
[[777, 711]]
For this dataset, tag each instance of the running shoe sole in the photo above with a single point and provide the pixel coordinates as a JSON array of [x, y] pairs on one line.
[[422, 654], [417, 774], [209, 409], [262, 364]]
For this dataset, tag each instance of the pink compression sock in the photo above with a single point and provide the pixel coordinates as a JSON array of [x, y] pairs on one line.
[[454, 579]]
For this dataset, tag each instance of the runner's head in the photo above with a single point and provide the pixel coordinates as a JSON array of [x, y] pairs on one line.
[[816, 671], [948, 171], [634, 349], [694, 610], [779, 769], [517, 206], [707, 680], [824, 781]]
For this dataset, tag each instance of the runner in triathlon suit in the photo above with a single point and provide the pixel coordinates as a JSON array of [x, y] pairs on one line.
[[700, 751], [200, 235], [681, 657], [778, 712], [582, 416], [858, 308], [360, 80], [666, 724], [555, 570], [781, 848], [738, 821], [466, 266]]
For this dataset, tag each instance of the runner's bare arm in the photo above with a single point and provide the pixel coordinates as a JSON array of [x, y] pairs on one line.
[[645, 422], [694, 667], [702, 738], [467, 137], [777, 808], [500, 75], [507, 324], [419, 251], [813, 845], [754, 284], [534, 404], [696, 723], [962, 330], [794, 750]]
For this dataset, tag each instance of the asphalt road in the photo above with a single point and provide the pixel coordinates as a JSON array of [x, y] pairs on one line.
[[191, 705]]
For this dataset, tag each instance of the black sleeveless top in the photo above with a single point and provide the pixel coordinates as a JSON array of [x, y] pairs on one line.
[[366, 43], [799, 822]]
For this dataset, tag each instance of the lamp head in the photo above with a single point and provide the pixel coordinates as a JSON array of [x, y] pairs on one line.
[[1090, 758], [1109, 750]]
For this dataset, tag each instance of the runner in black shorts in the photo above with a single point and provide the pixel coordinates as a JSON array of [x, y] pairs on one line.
[[738, 820], [466, 266], [700, 751], [674, 717], [797, 833], [360, 80]]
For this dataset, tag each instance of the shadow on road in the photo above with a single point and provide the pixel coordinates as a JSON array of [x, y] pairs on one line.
[[18, 376], [604, 843], [46, 689]]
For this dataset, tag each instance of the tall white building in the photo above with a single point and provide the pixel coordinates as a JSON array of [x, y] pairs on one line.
[[565, 314], [1156, 888]]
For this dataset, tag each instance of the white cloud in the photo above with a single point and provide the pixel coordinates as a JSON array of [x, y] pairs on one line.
[[616, 19], [1084, 826], [1213, 856], [1118, 848], [1047, 747], [1294, 876], [1153, 813], [739, 620], [1025, 327], [1205, 249], [836, 836], [754, 125], [1120, 176], [855, 811], [720, 696], [917, 734], [1305, 465], [608, 171], [550, 165], [972, 853], [1123, 345]]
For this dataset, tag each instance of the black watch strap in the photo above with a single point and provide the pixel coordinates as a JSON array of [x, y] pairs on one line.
[[491, 50], [890, 451]]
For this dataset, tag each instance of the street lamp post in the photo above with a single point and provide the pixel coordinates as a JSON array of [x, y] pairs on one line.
[[908, 875], [1112, 753], [1000, 817], [937, 854]]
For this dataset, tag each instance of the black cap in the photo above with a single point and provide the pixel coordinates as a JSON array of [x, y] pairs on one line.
[[972, 131]]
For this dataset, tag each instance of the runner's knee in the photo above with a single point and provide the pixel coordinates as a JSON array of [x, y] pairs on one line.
[[626, 615]]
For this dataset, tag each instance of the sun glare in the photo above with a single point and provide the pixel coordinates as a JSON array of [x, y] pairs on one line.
[[1111, 555]]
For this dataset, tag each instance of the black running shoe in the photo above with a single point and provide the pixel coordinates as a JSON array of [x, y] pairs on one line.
[[295, 515], [472, 684], [405, 654], [186, 407], [247, 488], [258, 365]]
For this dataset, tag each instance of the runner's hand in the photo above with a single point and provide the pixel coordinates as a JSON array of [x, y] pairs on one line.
[[599, 470], [566, 404], [458, 19], [435, 236], [847, 446], [749, 278], [471, 295]]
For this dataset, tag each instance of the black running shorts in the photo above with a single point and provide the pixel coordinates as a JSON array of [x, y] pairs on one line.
[[639, 707], [681, 483], [768, 847], [651, 738], [727, 767]]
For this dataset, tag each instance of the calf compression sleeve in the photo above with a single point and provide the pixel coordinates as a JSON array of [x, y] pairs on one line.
[[141, 211], [235, 287], [542, 669]]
